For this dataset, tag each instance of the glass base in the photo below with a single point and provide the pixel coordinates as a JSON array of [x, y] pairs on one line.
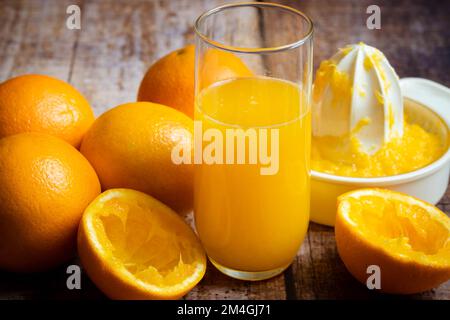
[[248, 275]]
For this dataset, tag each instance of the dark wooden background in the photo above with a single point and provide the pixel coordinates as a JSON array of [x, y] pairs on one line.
[[118, 40]]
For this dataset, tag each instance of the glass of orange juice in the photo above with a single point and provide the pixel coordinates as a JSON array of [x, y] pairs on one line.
[[252, 134]]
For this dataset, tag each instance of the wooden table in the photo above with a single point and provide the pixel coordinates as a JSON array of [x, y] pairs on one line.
[[118, 40]]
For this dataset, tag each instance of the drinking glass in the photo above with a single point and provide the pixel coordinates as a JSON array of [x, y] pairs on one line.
[[252, 133]]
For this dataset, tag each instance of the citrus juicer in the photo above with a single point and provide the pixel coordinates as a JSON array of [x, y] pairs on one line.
[[357, 93], [427, 103]]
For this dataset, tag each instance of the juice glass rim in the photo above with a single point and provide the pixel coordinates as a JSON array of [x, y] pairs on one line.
[[305, 37]]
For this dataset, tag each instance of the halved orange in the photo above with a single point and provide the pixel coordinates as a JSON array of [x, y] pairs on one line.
[[134, 247], [407, 238]]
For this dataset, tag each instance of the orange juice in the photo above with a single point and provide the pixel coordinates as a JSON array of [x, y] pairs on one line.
[[246, 220]]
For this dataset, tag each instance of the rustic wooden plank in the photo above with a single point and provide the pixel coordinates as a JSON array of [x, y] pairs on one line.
[[46, 285], [333, 281], [303, 278], [414, 34], [35, 38], [108, 66], [444, 203], [9, 22], [216, 285], [121, 39]]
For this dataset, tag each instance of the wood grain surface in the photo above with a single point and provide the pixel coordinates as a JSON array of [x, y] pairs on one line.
[[117, 42]]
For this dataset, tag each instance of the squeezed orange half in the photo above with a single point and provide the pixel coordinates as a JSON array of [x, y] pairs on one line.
[[407, 238], [134, 247]]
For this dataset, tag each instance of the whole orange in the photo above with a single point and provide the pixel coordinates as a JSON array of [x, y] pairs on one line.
[[39, 103], [130, 146], [170, 81], [45, 186]]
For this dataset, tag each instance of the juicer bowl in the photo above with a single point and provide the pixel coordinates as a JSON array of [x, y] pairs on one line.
[[426, 103]]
